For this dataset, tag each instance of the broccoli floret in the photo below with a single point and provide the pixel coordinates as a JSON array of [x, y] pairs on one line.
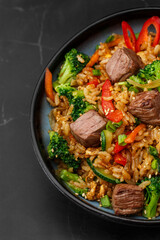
[[58, 149], [150, 72], [67, 177], [73, 64], [152, 196], [76, 98]]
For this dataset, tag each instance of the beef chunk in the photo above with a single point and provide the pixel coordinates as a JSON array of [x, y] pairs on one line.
[[127, 199], [146, 106], [87, 128], [123, 64]]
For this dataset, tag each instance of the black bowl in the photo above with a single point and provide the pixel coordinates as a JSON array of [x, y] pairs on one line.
[[84, 41]]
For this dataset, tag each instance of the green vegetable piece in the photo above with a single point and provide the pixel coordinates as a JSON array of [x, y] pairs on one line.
[[103, 141], [150, 72], [137, 121], [106, 139], [71, 66], [77, 190], [100, 172], [105, 201], [153, 151], [68, 176], [121, 139], [152, 195], [75, 98], [110, 39], [158, 89], [111, 126], [136, 35], [97, 46], [134, 89], [58, 149], [154, 164], [96, 72]]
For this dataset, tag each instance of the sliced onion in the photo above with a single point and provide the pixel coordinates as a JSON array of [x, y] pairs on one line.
[[153, 84]]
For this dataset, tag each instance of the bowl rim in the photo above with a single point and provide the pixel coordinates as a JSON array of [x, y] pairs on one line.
[[54, 181]]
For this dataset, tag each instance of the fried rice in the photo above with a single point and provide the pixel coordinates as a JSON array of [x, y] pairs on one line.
[[139, 160]]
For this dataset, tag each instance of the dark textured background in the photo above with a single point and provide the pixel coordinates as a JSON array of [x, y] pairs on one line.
[[30, 207]]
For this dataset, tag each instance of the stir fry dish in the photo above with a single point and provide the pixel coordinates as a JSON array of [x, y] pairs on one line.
[[105, 121]]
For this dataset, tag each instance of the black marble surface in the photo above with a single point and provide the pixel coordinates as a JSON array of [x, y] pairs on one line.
[[31, 31]]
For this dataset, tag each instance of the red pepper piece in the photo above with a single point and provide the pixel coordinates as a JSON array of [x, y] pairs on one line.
[[107, 105], [115, 116], [48, 85], [130, 41], [131, 137], [119, 148], [118, 158], [94, 81], [143, 36]]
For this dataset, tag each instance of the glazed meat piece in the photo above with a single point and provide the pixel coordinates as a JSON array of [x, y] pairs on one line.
[[87, 128], [146, 106], [127, 199], [123, 64]]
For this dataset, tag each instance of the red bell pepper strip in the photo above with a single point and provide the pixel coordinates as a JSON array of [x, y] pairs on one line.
[[130, 41], [131, 137], [94, 81], [118, 158], [143, 36], [119, 148], [107, 105], [115, 116], [48, 85]]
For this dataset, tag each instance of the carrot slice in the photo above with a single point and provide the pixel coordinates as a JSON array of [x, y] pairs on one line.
[[93, 59], [114, 42], [131, 137], [48, 85]]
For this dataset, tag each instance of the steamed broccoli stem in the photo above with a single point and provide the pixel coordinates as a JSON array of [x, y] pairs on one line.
[[73, 64], [150, 209], [152, 196], [68, 176], [79, 191], [58, 149]]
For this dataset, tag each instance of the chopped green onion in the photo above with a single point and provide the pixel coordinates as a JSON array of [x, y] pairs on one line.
[[153, 151], [96, 72], [121, 139], [154, 164], [125, 84], [105, 201], [113, 126], [133, 89], [118, 124], [122, 83], [109, 39]]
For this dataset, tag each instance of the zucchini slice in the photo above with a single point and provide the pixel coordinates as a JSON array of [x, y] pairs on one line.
[[100, 172], [106, 139]]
